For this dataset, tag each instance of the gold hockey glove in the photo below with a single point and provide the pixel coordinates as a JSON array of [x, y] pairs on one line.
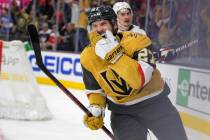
[[94, 122]]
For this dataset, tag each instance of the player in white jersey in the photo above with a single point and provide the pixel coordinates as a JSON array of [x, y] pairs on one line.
[[125, 17], [124, 21]]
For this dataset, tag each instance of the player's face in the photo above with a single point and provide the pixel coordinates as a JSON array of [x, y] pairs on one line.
[[125, 17], [101, 26]]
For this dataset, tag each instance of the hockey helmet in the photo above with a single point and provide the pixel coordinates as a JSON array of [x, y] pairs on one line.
[[118, 6], [102, 12]]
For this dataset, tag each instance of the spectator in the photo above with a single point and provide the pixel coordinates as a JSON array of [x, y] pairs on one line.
[[140, 14], [46, 10], [54, 38], [68, 34], [75, 11], [82, 39], [59, 18], [93, 3], [15, 9], [67, 11], [44, 34], [160, 30], [83, 20], [162, 23], [205, 17], [6, 22], [23, 20]]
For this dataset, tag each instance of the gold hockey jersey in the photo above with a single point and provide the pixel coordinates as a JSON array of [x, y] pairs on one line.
[[120, 82]]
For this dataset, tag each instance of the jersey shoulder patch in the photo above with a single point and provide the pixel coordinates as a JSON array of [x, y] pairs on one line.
[[136, 29], [133, 42]]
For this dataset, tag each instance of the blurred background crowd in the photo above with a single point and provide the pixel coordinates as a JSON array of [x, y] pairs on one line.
[[63, 24]]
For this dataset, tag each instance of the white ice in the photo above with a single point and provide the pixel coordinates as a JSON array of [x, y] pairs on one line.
[[66, 123]]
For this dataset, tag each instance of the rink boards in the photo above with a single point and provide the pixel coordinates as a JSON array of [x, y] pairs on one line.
[[190, 92], [190, 87], [64, 66]]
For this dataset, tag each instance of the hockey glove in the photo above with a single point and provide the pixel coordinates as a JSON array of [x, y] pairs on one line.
[[108, 48], [166, 54], [94, 122]]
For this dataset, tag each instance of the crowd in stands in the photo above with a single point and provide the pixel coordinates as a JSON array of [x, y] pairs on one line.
[[63, 24]]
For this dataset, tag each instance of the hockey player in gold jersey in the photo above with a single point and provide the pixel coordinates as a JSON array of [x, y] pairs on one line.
[[119, 71]]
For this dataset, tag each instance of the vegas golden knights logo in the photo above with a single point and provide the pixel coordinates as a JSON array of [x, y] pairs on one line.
[[116, 83]]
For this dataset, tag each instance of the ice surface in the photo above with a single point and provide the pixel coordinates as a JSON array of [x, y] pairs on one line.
[[66, 124]]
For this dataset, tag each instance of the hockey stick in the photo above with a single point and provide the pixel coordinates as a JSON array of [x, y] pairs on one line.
[[168, 54], [36, 46]]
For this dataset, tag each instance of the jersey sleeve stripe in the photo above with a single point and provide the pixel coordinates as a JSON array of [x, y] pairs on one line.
[[141, 74], [145, 70]]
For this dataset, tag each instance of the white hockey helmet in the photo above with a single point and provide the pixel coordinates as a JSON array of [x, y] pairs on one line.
[[118, 6]]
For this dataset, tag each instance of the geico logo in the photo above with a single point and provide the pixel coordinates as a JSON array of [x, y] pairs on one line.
[[196, 90], [59, 65], [9, 60]]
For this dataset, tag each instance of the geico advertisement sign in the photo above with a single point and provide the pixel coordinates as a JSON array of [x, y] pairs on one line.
[[193, 90], [65, 66]]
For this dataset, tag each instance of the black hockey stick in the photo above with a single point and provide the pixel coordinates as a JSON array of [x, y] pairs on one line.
[[36, 46]]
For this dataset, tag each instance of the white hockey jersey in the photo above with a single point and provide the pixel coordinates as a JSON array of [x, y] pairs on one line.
[[135, 29]]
